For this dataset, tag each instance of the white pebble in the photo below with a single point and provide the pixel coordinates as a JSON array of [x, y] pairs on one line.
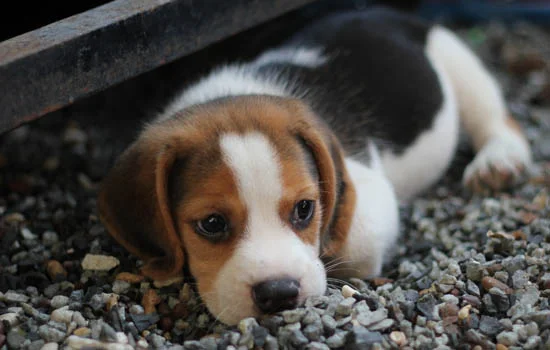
[[99, 262], [348, 292], [50, 346], [11, 318], [75, 342], [79, 319], [136, 309], [27, 234], [59, 301], [62, 315], [121, 338]]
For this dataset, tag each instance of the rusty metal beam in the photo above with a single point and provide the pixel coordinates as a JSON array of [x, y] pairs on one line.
[[51, 67]]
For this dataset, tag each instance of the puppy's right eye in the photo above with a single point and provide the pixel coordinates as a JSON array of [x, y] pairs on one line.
[[214, 227]]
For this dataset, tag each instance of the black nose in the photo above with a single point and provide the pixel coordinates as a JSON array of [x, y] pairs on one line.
[[276, 295]]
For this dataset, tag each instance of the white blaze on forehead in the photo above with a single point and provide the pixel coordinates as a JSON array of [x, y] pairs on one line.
[[257, 170], [269, 248]]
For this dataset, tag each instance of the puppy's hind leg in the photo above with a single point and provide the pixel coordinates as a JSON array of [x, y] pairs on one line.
[[502, 151]]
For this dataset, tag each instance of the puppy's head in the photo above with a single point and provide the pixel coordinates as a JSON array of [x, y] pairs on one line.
[[243, 190]]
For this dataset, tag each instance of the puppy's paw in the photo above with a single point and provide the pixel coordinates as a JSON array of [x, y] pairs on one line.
[[500, 164]]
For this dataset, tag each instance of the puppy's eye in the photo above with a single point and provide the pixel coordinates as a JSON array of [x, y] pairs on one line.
[[302, 214], [214, 227]]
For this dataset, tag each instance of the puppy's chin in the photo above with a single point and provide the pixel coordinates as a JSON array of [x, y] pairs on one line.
[[231, 298]]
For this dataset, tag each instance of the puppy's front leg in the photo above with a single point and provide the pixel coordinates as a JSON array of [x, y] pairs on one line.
[[374, 227]]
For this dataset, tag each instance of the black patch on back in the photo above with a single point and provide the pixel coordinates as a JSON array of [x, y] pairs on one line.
[[377, 84]]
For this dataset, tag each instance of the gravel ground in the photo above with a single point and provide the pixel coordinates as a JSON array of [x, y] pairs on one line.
[[471, 273]]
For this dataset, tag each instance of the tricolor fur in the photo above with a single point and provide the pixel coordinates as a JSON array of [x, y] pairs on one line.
[[352, 115]]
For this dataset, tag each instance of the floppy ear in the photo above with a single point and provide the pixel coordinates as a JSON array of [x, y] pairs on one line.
[[337, 191], [134, 206]]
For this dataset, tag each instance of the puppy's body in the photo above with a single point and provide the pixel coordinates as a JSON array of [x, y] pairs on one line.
[[353, 114]]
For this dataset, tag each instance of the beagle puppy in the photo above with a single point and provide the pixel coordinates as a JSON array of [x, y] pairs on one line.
[[257, 174]]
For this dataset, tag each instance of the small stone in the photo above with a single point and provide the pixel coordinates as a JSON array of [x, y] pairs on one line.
[[474, 270], [14, 218], [500, 299], [13, 297], [313, 331], [382, 325], [82, 332], [293, 316], [345, 306], [112, 300], [426, 305], [311, 317], [150, 300], [520, 279], [137, 309], [59, 301], [348, 292], [490, 282], [129, 277], [27, 234], [507, 338], [464, 312], [472, 288], [329, 324], [56, 271], [143, 322], [12, 318], [368, 319], [15, 338], [50, 346], [62, 315], [73, 134], [51, 334], [99, 262], [317, 346], [364, 337], [336, 340], [120, 287], [399, 338], [489, 325]]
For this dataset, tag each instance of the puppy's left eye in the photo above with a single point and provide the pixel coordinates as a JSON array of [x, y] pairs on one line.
[[302, 214]]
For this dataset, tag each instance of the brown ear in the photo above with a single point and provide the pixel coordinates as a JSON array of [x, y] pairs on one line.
[[134, 206], [337, 191]]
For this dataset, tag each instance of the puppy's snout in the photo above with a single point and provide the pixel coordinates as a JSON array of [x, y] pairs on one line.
[[276, 295]]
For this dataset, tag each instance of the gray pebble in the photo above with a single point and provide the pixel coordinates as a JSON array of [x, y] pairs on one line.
[[293, 316], [329, 324], [311, 317], [371, 318], [209, 343], [507, 338], [313, 331], [345, 306], [337, 340], [520, 278], [50, 334], [13, 297], [364, 337], [157, 341], [16, 337], [121, 287], [59, 301], [490, 325], [317, 346]]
